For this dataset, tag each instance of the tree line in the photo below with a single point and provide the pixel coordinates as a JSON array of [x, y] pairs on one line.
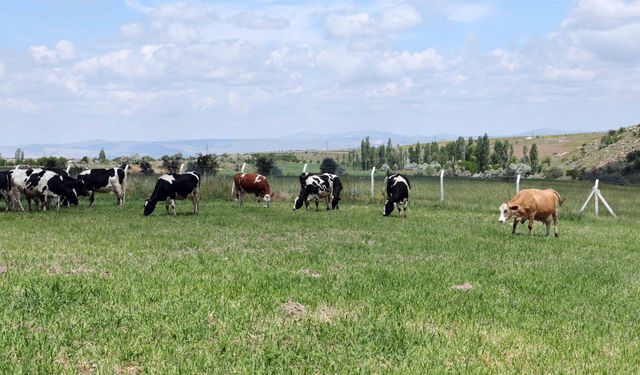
[[475, 155]]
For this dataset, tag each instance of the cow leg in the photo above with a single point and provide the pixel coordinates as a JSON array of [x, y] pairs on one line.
[[120, 194], [317, 203], [196, 202], [547, 222], [515, 224], [167, 203], [173, 206], [91, 198], [555, 223], [531, 219], [240, 195], [328, 200]]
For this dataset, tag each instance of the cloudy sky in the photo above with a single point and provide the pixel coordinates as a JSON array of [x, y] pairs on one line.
[[155, 70]]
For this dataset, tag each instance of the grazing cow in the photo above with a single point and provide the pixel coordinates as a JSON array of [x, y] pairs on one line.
[[532, 204], [41, 185], [252, 183], [5, 188], [105, 181], [174, 186], [71, 182], [398, 188], [316, 186]]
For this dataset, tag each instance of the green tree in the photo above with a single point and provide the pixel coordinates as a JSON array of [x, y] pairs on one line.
[[145, 167], [264, 164], [533, 157], [435, 151], [328, 165], [205, 164], [482, 153], [19, 155], [102, 156], [525, 154], [460, 149]]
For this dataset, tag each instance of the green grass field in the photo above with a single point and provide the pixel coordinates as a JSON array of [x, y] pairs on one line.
[[242, 290]]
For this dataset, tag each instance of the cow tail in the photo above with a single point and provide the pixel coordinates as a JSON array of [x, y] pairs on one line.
[[233, 188], [560, 199]]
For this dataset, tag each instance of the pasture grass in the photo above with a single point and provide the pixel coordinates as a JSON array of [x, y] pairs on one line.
[[237, 290]]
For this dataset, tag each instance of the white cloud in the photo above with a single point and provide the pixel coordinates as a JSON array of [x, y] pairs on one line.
[[508, 60], [366, 24], [467, 13], [20, 105], [568, 74], [398, 18], [251, 20], [205, 103], [602, 13], [64, 51], [131, 30]]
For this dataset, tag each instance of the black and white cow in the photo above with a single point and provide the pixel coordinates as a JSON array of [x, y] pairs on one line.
[[71, 182], [5, 188], [315, 186], [105, 181], [41, 185], [174, 186], [398, 188]]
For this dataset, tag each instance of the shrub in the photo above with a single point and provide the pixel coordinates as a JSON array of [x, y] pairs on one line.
[[554, 172], [328, 165]]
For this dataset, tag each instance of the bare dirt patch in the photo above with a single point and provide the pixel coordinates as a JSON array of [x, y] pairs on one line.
[[463, 287], [294, 309]]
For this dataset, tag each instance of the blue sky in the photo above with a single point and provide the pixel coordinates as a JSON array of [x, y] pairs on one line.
[[156, 70]]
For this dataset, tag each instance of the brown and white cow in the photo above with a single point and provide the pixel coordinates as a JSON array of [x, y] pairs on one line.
[[252, 183], [532, 204]]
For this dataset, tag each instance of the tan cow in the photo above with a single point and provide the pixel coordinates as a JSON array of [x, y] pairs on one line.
[[532, 204]]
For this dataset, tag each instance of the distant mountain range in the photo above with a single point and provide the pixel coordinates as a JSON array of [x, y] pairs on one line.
[[300, 141]]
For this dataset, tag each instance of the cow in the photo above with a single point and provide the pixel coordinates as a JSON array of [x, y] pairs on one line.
[[105, 181], [316, 186], [40, 184], [532, 204], [398, 188], [252, 183], [5, 188], [71, 182], [170, 187]]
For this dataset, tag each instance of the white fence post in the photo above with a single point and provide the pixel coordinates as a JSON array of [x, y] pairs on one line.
[[518, 183], [597, 195], [442, 185], [304, 169], [242, 169], [373, 171], [595, 198]]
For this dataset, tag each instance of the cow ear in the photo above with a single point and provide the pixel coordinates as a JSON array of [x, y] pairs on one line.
[[513, 208]]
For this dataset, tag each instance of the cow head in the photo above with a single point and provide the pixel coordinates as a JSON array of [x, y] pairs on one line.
[[334, 202], [73, 197], [80, 188], [507, 212], [149, 206], [297, 204], [388, 207], [267, 200]]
